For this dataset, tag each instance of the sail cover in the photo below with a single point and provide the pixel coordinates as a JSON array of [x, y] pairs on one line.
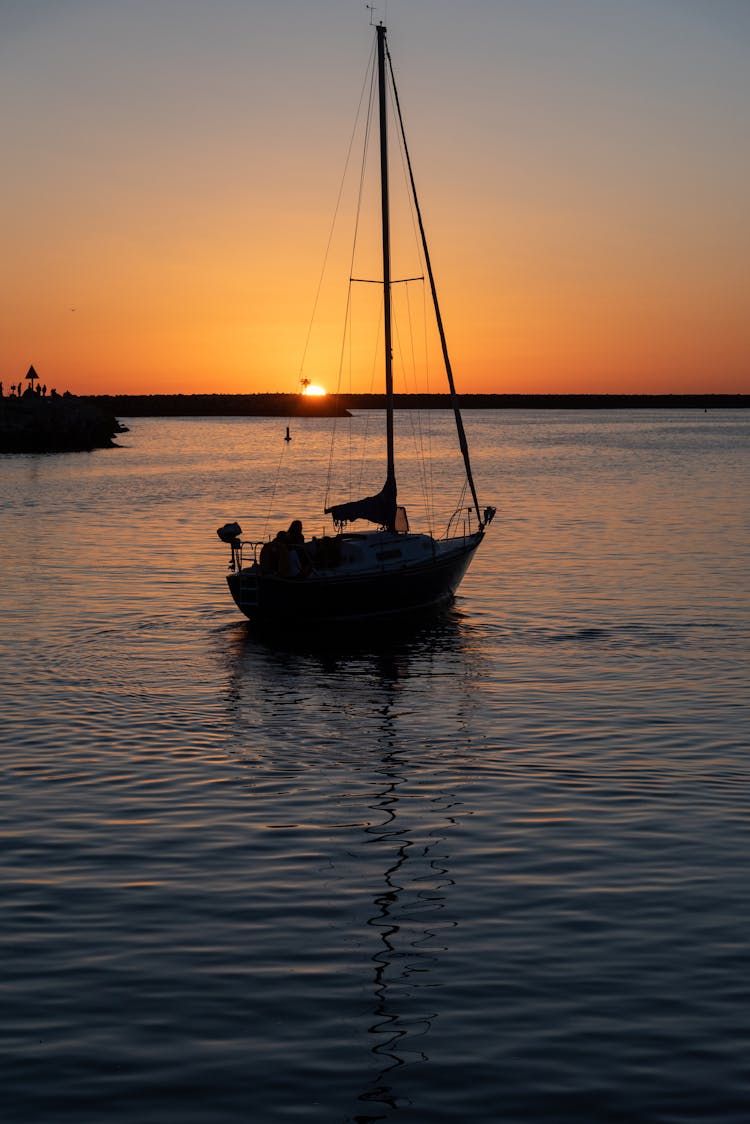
[[377, 509]]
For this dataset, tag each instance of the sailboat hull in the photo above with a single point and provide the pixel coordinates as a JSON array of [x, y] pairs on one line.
[[348, 594]]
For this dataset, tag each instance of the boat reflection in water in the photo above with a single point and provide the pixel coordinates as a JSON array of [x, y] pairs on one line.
[[375, 899]]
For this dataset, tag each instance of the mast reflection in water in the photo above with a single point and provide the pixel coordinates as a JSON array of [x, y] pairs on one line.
[[410, 919]]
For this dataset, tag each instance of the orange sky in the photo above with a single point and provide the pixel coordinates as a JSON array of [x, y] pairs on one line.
[[170, 171]]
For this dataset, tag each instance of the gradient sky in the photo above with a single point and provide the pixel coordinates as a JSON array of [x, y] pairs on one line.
[[170, 169]]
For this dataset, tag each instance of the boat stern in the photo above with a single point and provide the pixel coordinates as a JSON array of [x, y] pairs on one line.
[[244, 587]]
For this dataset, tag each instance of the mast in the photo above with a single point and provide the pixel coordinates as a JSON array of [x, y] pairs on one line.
[[386, 226]]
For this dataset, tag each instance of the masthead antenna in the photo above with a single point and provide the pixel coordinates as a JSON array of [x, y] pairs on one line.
[[370, 9]]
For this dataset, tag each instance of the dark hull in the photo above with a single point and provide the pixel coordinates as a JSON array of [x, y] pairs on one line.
[[338, 597]]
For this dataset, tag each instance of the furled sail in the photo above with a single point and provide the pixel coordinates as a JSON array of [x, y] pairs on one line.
[[380, 509]]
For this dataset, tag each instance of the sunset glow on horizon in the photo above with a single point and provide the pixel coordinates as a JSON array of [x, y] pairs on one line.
[[582, 172]]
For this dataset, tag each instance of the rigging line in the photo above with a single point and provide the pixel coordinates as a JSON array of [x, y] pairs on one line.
[[425, 464], [360, 194], [368, 129], [272, 500], [419, 436], [416, 429], [458, 509], [403, 156], [363, 165], [342, 356], [335, 213], [347, 314], [430, 476], [368, 413], [426, 473], [448, 369]]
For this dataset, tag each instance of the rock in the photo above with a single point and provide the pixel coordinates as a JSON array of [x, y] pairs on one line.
[[37, 424]]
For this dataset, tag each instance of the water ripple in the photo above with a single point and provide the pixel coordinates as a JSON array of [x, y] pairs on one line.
[[494, 868]]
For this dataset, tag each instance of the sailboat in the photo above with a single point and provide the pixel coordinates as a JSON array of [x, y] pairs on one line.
[[387, 571]]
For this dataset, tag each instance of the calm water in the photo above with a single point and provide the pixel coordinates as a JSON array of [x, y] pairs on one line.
[[496, 870]]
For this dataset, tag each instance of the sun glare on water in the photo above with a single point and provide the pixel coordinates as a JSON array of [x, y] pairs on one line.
[[313, 391]]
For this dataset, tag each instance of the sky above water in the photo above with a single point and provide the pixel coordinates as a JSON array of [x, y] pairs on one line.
[[170, 169]]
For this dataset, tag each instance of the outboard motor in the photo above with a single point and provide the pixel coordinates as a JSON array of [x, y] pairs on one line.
[[230, 533]]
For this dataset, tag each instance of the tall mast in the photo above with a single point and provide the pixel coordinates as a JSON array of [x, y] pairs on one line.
[[386, 224]]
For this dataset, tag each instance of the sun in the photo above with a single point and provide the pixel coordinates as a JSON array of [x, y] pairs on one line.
[[310, 390]]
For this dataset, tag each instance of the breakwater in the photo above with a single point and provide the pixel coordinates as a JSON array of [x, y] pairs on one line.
[[339, 405], [221, 405], [32, 423]]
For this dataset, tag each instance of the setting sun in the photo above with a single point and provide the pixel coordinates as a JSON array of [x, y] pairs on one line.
[[310, 390]]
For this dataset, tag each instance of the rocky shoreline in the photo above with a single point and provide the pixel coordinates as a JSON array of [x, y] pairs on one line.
[[33, 423]]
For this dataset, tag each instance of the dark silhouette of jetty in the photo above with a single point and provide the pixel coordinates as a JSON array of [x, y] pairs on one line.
[[341, 405], [35, 422], [221, 405], [551, 401]]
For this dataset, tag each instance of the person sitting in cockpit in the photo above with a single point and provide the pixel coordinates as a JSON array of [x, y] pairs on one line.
[[294, 535]]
